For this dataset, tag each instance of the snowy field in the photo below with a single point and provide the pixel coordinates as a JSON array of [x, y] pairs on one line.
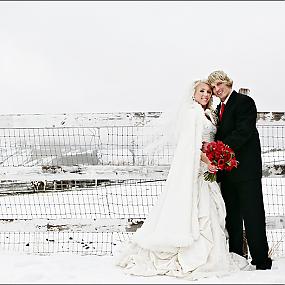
[[73, 210], [75, 269], [83, 267], [61, 220]]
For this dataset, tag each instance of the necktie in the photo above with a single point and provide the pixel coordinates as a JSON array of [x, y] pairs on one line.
[[222, 111]]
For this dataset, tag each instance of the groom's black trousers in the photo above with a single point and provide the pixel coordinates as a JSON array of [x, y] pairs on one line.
[[244, 203]]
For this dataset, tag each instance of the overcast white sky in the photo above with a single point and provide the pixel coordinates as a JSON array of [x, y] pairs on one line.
[[93, 56]]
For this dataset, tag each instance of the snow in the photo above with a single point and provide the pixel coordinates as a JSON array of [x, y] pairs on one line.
[[89, 269], [24, 266]]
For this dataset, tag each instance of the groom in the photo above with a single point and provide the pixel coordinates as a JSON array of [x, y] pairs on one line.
[[241, 188]]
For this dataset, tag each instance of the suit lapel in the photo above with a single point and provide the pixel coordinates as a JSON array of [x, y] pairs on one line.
[[219, 108], [218, 112]]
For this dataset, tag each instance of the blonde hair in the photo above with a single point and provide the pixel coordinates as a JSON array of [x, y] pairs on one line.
[[209, 107], [220, 76], [195, 85]]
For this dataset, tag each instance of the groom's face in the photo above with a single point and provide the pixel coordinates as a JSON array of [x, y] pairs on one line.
[[221, 90]]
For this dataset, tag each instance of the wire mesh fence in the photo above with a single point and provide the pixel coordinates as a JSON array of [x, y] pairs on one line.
[[86, 189], [54, 147]]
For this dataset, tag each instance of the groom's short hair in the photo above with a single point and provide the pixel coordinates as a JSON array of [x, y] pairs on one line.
[[221, 76]]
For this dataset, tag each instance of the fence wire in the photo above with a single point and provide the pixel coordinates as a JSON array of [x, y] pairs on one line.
[[47, 216]]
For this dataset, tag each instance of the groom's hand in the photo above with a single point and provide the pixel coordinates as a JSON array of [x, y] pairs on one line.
[[204, 146]]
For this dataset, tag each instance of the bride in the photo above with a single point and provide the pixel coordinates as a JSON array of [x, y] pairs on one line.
[[184, 234]]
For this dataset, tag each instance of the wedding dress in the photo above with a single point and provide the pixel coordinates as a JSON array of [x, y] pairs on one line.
[[184, 234]]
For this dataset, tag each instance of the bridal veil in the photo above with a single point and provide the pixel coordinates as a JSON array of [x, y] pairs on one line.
[[173, 222]]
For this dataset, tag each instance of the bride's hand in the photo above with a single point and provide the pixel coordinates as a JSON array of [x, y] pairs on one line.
[[212, 168]]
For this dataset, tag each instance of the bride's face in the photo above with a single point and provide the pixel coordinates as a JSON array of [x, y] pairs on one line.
[[203, 94]]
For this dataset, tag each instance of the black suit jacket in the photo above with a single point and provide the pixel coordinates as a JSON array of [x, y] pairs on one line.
[[238, 130]]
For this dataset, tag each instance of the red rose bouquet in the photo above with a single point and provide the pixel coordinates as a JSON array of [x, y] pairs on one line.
[[220, 155]]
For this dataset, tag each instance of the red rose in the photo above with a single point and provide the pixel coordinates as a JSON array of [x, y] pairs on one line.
[[221, 164]]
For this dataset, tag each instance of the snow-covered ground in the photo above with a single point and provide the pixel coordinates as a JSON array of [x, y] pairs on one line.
[[76, 269], [33, 208]]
